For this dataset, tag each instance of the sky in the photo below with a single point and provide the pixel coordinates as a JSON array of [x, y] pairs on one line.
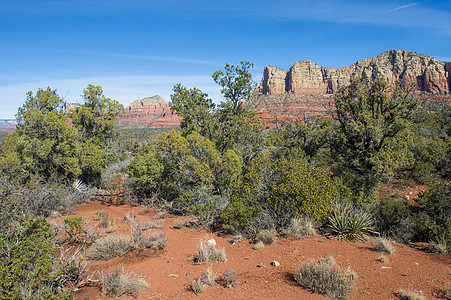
[[141, 48]]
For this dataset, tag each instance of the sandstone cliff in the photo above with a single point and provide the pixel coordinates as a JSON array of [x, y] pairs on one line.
[[305, 89], [151, 112]]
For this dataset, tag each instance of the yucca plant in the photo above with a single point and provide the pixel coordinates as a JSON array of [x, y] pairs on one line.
[[348, 222]]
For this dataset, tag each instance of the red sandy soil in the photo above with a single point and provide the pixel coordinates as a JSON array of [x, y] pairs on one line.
[[169, 273]]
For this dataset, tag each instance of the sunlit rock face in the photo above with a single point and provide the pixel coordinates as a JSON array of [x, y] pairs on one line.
[[151, 112], [307, 88]]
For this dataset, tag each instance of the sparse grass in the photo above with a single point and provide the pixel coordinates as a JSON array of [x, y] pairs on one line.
[[208, 277], [129, 217], [236, 238], [152, 225], [300, 228], [326, 278], [439, 248], [230, 278], [259, 245], [350, 223], [447, 292], [267, 237], [198, 286], [109, 247], [105, 220], [383, 259], [384, 245], [208, 253], [410, 295], [118, 283]]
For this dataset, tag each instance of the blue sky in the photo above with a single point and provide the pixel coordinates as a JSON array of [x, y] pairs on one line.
[[140, 48]]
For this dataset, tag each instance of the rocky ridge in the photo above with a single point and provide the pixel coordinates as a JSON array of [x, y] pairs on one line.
[[307, 88], [151, 112]]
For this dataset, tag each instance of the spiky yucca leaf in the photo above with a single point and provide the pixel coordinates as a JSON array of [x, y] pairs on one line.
[[350, 223]]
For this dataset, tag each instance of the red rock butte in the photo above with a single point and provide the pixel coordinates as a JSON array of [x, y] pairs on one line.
[[307, 89], [150, 112]]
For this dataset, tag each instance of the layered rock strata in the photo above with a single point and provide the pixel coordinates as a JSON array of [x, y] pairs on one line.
[[307, 87], [152, 112]]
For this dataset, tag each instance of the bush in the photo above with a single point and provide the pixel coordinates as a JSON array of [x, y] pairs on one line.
[[348, 222], [208, 277], [384, 245], [325, 277], [393, 219], [300, 227], [198, 286], [109, 247], [230, 278], [259, 245], [28, 267], [118, 283]]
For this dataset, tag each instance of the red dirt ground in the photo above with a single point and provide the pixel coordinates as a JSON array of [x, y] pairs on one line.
[[170, 272]]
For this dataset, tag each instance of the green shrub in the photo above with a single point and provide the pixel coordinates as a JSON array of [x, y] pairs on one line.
[[393, 218], [348, 222], [325, 277], [300, 189], [27, 263]]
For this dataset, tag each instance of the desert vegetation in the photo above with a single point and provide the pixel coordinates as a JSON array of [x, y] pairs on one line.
[[226, 170]]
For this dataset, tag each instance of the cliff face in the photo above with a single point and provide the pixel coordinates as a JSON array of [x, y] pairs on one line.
[[151, 112], [280, 92]]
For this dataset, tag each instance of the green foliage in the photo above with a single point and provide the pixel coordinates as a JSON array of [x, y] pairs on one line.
[[370, 119], [326, 278], [393, 217], [146, 171], [27, 256], [349, 222], [195, 108], [300, 189], [74, 228], [43, 143], [96, 117]]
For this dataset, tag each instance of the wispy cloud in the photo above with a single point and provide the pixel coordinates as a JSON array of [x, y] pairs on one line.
[[404, 6]]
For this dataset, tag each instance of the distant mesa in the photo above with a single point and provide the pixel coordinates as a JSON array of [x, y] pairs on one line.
[[150, 112], [307, 89]]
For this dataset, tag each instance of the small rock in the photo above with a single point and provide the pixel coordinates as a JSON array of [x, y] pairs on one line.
[[261, 265], [275, 263], [295, 251], [174, 275], [415, 263], [320, 241]]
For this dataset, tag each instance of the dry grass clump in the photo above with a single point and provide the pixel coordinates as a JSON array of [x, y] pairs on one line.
[[439, 248], [105, 220], [109, 247], [267, 237], [198, 286], [152, 225], [384, 245], [259, 245], [326, 278], [208, 253], [300, 228], [209, 277], [129, 217], [236, 239], [410, 295], [117, 283]]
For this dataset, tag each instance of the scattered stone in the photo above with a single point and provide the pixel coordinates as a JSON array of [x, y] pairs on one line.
[[261, 265], [275, 263], [211, 243], [174, 275]]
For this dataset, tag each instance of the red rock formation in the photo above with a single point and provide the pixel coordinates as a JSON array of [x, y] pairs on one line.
[[151, 112], [306, 89]]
